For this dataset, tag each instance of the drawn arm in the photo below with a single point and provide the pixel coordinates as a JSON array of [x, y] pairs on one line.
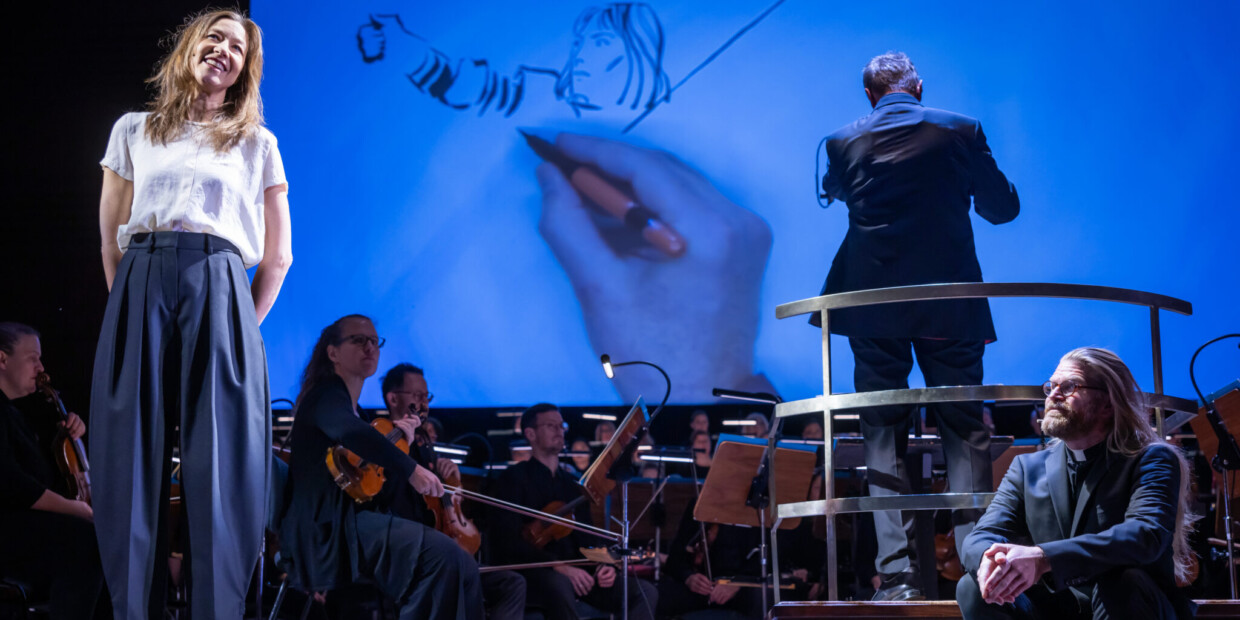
[[458, 83]]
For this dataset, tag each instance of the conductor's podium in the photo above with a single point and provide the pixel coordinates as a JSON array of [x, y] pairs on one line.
[[931, 609], [1169, 413]]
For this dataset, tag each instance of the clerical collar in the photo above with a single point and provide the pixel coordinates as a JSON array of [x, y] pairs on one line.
[[1089, 453]]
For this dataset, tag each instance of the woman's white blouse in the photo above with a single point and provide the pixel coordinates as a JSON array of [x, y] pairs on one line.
[[186, 185]]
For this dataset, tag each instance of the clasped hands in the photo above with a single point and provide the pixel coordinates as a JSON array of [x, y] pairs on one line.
[[1008, 570], [717, 594], [583, 581]]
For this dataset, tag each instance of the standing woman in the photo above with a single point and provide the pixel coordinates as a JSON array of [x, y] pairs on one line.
[[193, 194]]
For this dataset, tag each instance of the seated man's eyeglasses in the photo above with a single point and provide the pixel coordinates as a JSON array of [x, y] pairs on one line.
[[1067, 388]]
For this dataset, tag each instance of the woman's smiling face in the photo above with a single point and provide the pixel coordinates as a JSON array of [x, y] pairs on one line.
[[220, 55]]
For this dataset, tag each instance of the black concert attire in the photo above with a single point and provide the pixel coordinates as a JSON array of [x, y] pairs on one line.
[[907, 173], [1106, 524], [686, 470], [328, 541], [532, 485], [503, 591], [56, 554], [733, 553]]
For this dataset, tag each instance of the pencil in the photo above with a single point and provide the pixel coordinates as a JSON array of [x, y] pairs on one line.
[[610, 199]]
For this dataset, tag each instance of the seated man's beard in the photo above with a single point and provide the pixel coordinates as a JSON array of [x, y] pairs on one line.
[[1064, 422]]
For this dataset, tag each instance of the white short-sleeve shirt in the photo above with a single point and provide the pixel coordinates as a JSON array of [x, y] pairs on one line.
[[186, 185]]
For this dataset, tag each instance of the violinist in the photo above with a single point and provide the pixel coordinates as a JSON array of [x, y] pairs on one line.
[[404, 392], [408, 400], [542, 483], [46, 540], [328, 540]]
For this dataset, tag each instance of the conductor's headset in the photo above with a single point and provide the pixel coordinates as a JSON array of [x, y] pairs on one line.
[[820, 178]]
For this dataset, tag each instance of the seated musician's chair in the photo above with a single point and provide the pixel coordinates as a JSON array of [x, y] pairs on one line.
[[359, 600]]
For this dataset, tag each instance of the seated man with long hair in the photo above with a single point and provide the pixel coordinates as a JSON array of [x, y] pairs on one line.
[[1094, 526]]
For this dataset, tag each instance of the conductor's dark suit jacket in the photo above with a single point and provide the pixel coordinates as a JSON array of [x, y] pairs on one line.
[[1125, 516], [907, 173]]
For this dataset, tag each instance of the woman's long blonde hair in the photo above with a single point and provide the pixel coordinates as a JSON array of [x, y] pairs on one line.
[[1131, 433], [176, 88]]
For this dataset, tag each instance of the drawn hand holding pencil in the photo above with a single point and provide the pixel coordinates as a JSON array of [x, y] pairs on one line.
[[693, 309]]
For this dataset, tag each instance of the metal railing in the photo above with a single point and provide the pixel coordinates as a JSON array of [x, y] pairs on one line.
[[826, 403]]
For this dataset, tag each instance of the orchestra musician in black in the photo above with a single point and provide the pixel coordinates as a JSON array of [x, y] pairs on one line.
[[408, 397], [542, 483], [329, 540], [47, 541]]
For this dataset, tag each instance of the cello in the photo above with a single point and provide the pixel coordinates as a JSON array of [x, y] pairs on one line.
[[69, 453]]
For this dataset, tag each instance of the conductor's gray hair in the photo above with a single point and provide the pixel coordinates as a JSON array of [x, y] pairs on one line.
[[890, 72]]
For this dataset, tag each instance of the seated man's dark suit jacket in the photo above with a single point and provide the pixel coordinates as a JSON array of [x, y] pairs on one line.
[[907, 173], [1125, 516]]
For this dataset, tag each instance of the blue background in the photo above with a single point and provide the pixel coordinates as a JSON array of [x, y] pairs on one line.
[[1114, 121]]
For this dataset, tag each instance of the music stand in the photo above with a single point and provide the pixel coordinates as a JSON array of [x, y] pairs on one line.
[[730, 484], [599, 479], [615, 464], [731, 472]]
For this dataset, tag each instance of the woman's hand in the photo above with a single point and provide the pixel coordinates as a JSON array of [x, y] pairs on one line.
[[115, 205], [277, 250]]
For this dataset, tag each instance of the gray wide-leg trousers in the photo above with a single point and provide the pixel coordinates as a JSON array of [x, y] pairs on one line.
[[180, 347], [884, 364]]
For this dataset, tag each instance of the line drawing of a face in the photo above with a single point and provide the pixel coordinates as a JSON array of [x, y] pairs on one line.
[[616, 58], [595, 59]]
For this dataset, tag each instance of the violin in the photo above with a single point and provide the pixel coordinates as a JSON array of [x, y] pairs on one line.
[[70, 453], [541, 533], [360, 479], [449, 520]]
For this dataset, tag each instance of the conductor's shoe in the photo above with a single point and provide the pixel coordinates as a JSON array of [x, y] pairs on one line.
[[899, 592], [899, 587]]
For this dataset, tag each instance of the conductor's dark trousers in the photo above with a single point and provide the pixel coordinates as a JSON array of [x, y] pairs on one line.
[[180, 349], [884, 364]]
